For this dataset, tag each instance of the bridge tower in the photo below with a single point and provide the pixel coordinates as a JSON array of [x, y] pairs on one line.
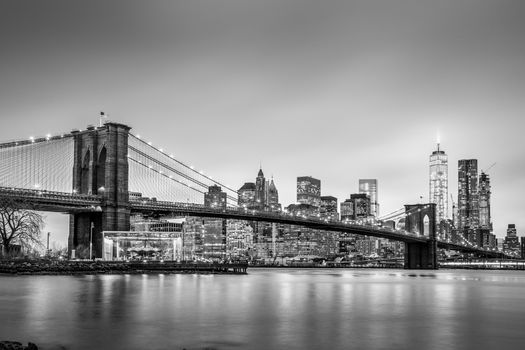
[[421, 219], [100, 168]]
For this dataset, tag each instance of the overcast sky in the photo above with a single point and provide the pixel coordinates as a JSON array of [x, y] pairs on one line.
[[339, 90]]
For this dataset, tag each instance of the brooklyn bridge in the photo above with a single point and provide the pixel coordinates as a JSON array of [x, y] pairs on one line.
[[94, 175]]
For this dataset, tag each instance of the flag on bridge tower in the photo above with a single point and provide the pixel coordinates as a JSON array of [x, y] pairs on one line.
[[103, 118]]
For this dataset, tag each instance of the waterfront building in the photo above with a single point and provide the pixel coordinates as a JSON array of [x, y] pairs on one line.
[[468, 197], [438, 183], [369, 187], [309, 191], [214, 239], [367, 246], [239, 238], [193, 234], [215, 197], [328, 208], [347, 245]]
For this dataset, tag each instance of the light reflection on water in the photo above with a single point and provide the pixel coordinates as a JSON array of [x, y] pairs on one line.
[[268, 309]]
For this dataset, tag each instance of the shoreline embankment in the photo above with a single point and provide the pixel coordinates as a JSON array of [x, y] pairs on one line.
[[72, 267]]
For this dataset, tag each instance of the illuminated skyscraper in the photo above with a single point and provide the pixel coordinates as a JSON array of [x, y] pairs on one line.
[[439, 183], [261, 190], [273, 197], [468, 197], [246, 195], [361, 205], [328, 208], [261, 195], [309, 191], [215, 197], [369, 187], [347, 210], [484, 202]]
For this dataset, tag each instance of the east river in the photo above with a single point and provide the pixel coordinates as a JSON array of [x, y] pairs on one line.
[[268, 309]]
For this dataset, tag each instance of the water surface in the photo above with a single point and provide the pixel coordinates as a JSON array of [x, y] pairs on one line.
[[268, 309]]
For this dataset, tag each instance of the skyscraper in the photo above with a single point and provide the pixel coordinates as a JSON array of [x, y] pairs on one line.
[[261, 195], [361, 205], [261, 189], [439, 183], [347, 210], [246, 195], [369, 187], [355, 208], [215, 197], [468, 198], [328, 208], [309, 191], [511, 243], [484, 202], [273, 197]]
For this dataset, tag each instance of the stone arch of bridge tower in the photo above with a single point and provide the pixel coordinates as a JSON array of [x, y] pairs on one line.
[[85, 182], [426, 225], [101, 169]]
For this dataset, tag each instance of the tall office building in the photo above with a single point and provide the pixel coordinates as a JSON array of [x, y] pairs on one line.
[[439, 183], [273, 197], [369, 187], [511, 244], [215, 197], [246, 195], [347, 210], [261, 195], [355, 208], [362, 205], [309, 191], [261, 190], [484, 202], [468, 198], [328, 208]]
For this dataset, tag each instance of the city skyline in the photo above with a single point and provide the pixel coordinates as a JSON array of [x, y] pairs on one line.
[[327, 93]]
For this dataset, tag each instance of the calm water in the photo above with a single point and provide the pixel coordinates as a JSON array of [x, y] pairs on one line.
[[268, 309]]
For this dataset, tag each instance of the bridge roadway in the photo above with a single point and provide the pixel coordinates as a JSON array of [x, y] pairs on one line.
[[71, 203], [61, 202], [175, 208]]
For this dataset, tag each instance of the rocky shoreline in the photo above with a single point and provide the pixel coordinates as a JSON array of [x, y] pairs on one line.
[[52, 267], [14, 345]]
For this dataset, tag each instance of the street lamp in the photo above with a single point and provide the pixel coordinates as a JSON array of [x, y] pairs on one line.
[[91, 241], [47, 251]]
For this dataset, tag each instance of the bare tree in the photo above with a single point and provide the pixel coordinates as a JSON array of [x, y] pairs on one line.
[[18, 225]]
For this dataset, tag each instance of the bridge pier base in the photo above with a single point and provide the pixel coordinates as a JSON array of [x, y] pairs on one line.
[[421, 220], [82, 228], [421, 255]]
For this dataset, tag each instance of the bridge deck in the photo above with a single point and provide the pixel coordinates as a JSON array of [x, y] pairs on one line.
[[72, 202], [51, 201]]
